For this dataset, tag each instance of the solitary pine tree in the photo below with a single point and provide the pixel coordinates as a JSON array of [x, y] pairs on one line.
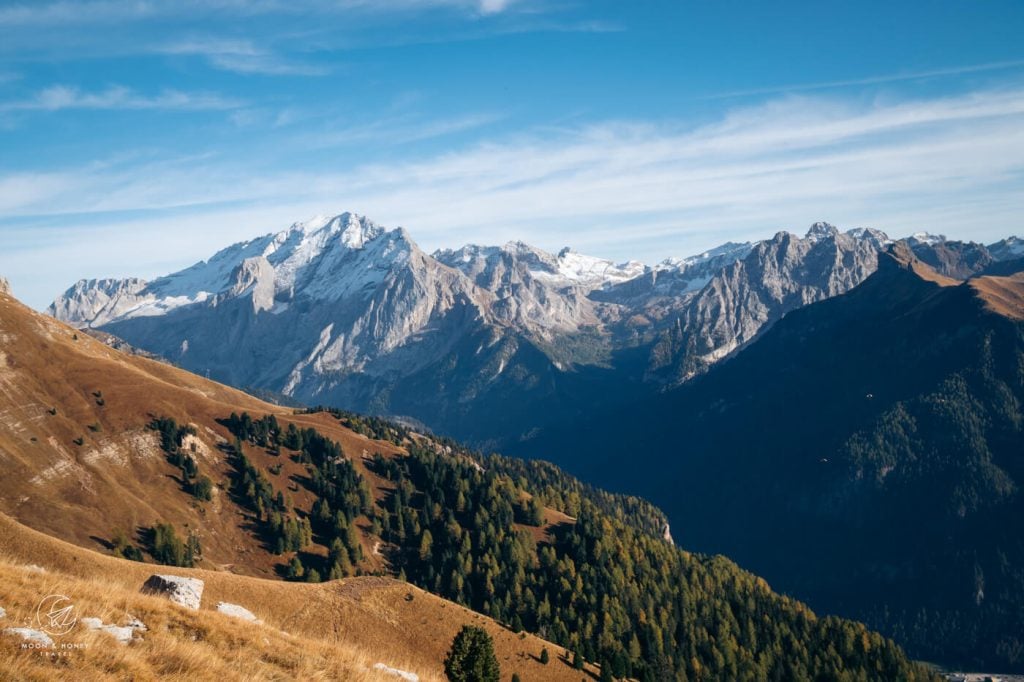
[[472, 658]]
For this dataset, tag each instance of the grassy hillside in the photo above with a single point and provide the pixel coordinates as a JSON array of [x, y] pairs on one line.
[[336, 630]]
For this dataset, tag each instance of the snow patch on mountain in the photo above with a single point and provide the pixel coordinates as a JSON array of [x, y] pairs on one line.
[[1005, 249], [926, 238], [323, 258], [594, 272]]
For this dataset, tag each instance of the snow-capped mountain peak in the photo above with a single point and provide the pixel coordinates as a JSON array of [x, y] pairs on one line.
[[323, 258], [879, 238], [927, 238], [592, 271], [821, 230], [567, 269], [1005, 249]]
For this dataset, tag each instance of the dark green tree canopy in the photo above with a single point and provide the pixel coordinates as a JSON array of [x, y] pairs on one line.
[[472, 658]]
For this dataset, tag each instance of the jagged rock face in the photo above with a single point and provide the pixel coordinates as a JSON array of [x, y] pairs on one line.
[[536, 292], [295, 311], [95, 302], [745, 297], [951, 258], [343, 311], [1007, 249]]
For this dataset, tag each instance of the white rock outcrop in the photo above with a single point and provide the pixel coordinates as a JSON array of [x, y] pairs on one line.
[[187, 592], [236, 611], [409, 677], [31, 636], [122, 634]]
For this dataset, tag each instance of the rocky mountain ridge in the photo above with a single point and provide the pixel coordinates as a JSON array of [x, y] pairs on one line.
[[343, 311]]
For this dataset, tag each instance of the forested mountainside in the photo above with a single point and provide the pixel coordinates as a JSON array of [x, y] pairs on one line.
[[144, 461], [864, 455], [535, 549], [486, 343]]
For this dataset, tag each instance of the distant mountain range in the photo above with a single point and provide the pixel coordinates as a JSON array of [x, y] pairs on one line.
[[864, 454], [486, 343]]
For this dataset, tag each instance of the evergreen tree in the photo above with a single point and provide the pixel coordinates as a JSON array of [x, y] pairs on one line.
[[472, 658], [296, 570], [203, 488], [168, 549]]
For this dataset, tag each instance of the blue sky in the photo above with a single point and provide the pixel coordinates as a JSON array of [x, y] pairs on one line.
[[138, 136]]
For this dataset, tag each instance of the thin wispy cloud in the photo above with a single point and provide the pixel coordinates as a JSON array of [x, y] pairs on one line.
[[242, 56], [870, 80], [59, 97], [396, 131], [618, 189], [84, 12]]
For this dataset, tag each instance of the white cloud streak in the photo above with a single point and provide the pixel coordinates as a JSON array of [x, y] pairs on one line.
[[951, 164], [116, 97], [242, 57], [871, 80], [86, 12]]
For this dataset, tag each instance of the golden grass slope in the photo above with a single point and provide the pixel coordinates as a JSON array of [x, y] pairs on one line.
[[79, 464], [333, 630], [1002, 295]]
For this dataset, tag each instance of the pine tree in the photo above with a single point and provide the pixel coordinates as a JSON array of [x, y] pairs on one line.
[[472, 658], [203, 488], [544, 656], [168, 548], [426, 543], [295, 569]]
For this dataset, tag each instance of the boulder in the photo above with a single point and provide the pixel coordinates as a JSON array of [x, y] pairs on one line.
[[187, 592], [236, 611], [31, 636]]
